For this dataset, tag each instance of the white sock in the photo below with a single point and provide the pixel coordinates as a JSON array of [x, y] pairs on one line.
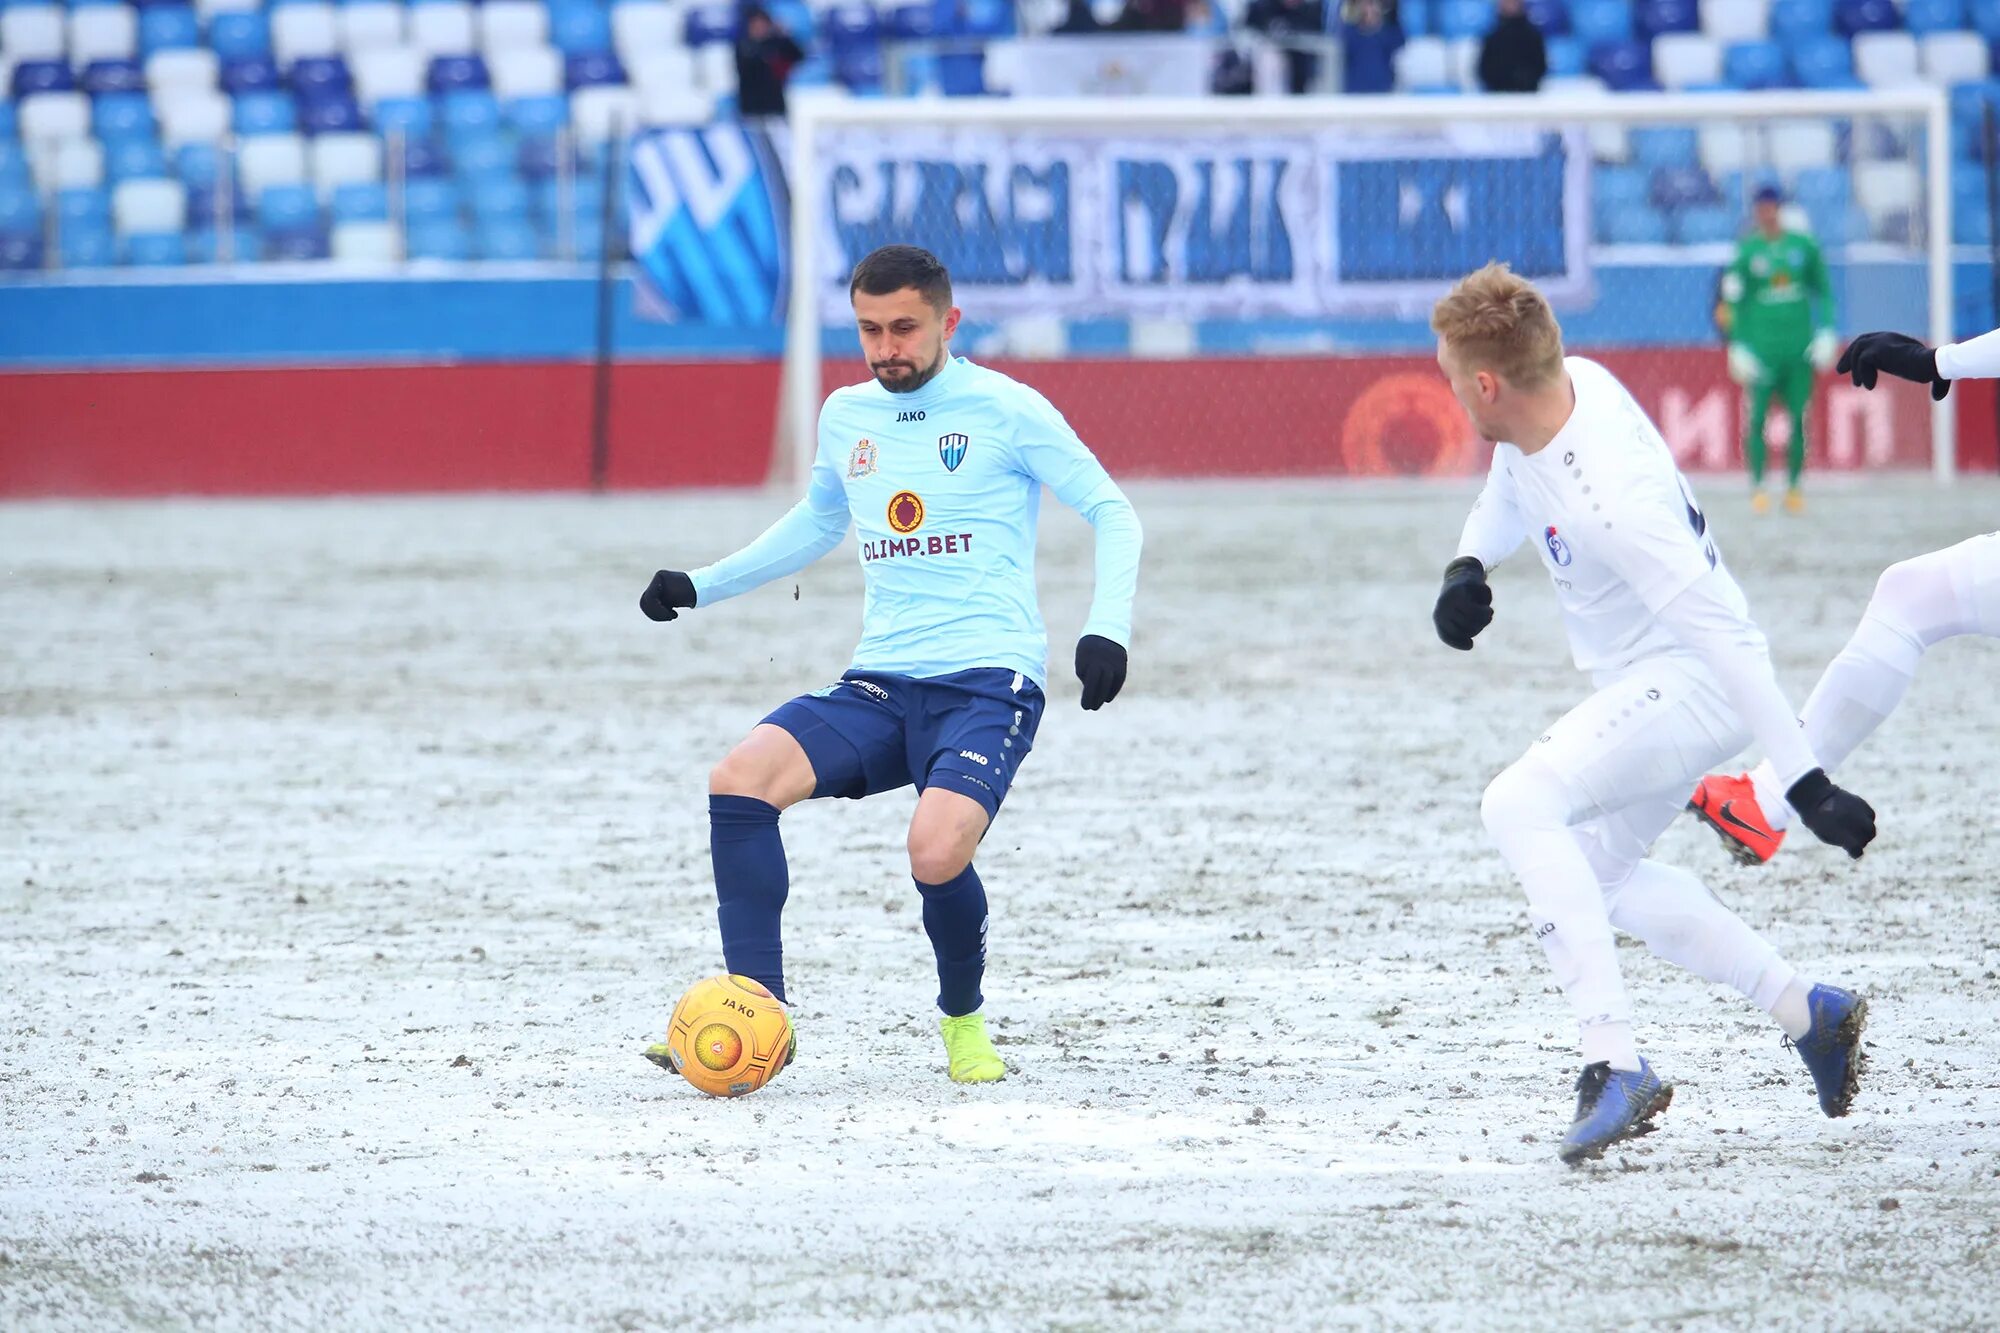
[[1790, 1008], [1612, 1043]]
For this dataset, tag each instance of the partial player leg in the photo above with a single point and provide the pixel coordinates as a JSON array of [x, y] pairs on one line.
[[1917, 603], [1753, 434], [766, 774], [1797, 387], [943, 836]]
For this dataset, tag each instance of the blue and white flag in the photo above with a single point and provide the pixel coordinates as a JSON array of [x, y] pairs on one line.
[[706, 215]]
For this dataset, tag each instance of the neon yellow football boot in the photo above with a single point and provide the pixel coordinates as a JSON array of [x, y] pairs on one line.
[[970, 1050]]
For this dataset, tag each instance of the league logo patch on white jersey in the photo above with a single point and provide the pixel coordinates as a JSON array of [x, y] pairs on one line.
[[1558, 548], [861, 463], [951, 450]]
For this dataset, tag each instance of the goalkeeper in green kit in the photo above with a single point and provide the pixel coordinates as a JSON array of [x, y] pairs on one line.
[[1780, 331]]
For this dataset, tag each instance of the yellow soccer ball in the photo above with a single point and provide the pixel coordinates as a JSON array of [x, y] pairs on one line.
[[729, 1035]]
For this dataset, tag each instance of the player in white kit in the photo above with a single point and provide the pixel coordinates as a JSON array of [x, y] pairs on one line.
[[1683, 678], [1917, 603]]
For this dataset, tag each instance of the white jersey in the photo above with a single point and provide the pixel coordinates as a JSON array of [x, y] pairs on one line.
[[1614, 522]]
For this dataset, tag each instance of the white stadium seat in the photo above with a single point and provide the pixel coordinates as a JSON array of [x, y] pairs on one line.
[[304, 29], [507, 25], [1953, 57], [1423, 62], [675, 106], [671, 69], [1796, 144], [72, 164], [639, 28], [148, 206], [1685, 59], [1726, 21], [53, 117], [270, 159], [345, 159], [1723, 146], [102, 32], [715, 68], [371, 25], [1886, 59], [395, 71], [442, 28], [196, 67], [32, 32], [1887, 188], [210, 8], [597, 114], [365, 244], [525, 71], [192, 116], [1608, 142], [1462, 60]]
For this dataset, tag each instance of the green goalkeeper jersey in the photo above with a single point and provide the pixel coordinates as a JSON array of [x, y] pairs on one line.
[[1772, 290]]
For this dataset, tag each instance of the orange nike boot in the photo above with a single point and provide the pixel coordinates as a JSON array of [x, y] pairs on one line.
[[1729, 806]]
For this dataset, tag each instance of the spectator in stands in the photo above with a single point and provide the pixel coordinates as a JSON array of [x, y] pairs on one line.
[[1368, 45], [1514, 57], [1281, 20], [765, 56]]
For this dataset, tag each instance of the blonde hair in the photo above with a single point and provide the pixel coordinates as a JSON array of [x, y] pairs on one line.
[[1495, 320]]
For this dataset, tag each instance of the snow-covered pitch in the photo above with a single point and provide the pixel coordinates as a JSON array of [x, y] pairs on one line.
[[351, 851]]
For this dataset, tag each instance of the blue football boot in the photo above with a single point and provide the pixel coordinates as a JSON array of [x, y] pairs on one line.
[[1831, 1047], [1613, 1104]]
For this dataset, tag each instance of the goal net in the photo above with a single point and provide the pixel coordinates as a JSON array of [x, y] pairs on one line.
[[1242, 286]]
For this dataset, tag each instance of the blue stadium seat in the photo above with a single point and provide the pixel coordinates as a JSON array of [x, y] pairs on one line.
[[1679, 187], [797, 18], [320, 76], [425, 157], [590, 69], [439, 239], [114, 76], [9, 125], [1852, 16], [204, 244], [1653, 17], [960, 73], [1414, 16], [1755, 65], [1596, 21], [538, 115], [430, 199], [409, 116], [207, 205], [1665, 146], [86, 243], [578, 27], [540, 156], [1985, 16], [1817, 188], [1795, 19], [469, 113], [1706, 224], [499, 197], [1972, 225], [1839, 226], [452, 74], [14, 173], [250, 74], [167, 28], [917, 23], [1634, 226], [1463, 18], [165, 249], [1624, 66], [361, 201], [121, 116], [983, 18], [20, 253], [1620, 186], [507, 239], [1824, 61], [717, 23], [265, 113], [307, 243], [287, 208], [338, 114], [845, 25], [129, 159], [20, 211], [83, 205], [1922, 16], [859, 67], [484, 156], [42, 76], [1551, 16], [239, 34], [1568, 57], [586, 198]]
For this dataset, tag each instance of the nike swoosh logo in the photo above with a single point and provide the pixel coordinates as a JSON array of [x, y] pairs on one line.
[[1725, 813]]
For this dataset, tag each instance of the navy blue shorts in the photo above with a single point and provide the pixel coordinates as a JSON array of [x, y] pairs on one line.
[[967, 732]]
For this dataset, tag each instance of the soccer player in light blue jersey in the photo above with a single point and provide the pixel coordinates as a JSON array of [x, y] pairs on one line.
[[938, 465]]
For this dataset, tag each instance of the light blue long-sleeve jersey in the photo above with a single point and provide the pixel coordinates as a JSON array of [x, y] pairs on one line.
[[943, 487]]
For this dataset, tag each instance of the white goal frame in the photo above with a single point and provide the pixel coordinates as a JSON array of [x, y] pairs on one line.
[[800, 393]]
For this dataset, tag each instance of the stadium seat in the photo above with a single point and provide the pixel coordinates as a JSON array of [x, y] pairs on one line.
[[1792, 20], [251, 74], [454, 74], [1635, 226], [1677, 187], [1665, 146], [526, 71], [1683, 59], [578, 27], [1551, 16], [1925, 16], [365, 243], [482, 156], [422, 157], [344, 159], [670, 69], [1423, 62], [715, 70], [304, 29], [469, 112], [509, 25], [20, 211], [177, 71], [442, 27], [121, 116], [674, 106], [542, 115], [200, 165], [1886, 60], [1624, 66], [102, 32], [388, 72], [14, 170], [599, 114], [144, 205], [1650, 18], [641, 28], [211, 206], [314, 77], [716, 24], [370, 25], [996, 18], [265, 160], [71, 164], [1454, 18], [1797, 144], [408, 116], [1729, 21], [265, 113], [1886, 189], [239, 242], [919, 22], [311, 243], [1953, 57], [166, 27], [1595, 22], [439, 239], [361, 201], [133, 159], [592, 69], [431, 199], [53, 118], [847, 25], [86, 245], [284, 208], [1985, 18], [1708, 224], [1817, 189], [1858, 16], [33, 32], [32, 77], [1823, 61], [499, 198], [114, 76], [82, 207], [21, 253], [1567, 56], [155, 249]]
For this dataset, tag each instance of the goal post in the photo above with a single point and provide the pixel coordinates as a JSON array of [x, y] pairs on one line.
[[1240, 285]]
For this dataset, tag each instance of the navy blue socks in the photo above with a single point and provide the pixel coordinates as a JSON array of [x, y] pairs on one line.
[[955, 919], [751, 882]]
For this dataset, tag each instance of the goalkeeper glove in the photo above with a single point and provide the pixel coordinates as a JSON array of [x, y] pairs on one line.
[[1896, 353], [670, 593], [1744, 367], [1834, 816], [1100, 665], [1825, 346], [1464, 605]]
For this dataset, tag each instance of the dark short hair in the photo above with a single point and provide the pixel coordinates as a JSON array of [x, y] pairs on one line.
[[894, 267]]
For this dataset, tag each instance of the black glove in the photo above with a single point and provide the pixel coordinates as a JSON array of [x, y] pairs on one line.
[[1834, 816], [1897, 354], [1465, 604], [1100, 665], [667, 595]]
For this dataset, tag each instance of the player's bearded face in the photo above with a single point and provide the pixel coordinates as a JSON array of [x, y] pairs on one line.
[[905, 339]]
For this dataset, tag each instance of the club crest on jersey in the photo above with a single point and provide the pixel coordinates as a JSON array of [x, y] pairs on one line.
[[951, 449], [906, 512], [861, 463], [1558, 548]]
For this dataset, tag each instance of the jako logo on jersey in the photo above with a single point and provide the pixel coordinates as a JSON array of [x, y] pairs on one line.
[[975, 757], [906, 512], [909, 416], [951, 449], [1558, 548], [861, 463]]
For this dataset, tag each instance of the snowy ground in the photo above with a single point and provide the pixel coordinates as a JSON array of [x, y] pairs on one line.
[[351, 851]]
